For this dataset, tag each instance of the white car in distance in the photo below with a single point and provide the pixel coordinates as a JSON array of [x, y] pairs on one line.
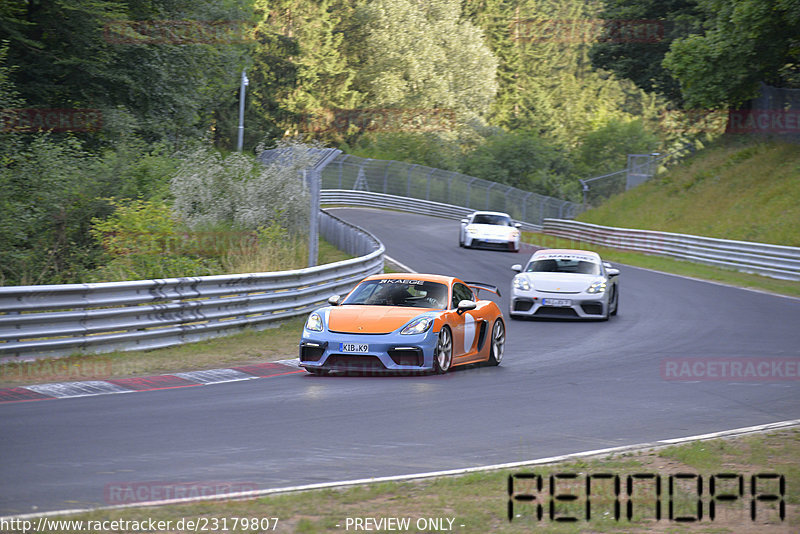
[[489, 229], [565, 283]]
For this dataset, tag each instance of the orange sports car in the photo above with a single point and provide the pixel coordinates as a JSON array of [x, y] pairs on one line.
[[404, 323]]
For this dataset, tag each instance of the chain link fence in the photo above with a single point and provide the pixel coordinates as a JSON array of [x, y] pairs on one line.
[[641, 168], [446, 187]]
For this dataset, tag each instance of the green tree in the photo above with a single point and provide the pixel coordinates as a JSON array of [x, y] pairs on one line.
[[106, 54], [423, 54], [547, 82], [300, 66], [639, 56], [605, 149], [524, 160], [431, 149], [743, 42]]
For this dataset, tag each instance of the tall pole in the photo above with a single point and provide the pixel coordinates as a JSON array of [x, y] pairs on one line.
[[313, 178], [313, 234], [244, 83], [585, 188]]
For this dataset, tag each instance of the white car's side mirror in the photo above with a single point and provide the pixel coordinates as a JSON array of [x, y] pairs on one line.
[[516, 268], [465, 221], [612, 272], [517, 225]]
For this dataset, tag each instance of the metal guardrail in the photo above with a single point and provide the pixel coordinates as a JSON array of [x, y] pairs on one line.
[[774, 261], [412, 205], [57, 320]]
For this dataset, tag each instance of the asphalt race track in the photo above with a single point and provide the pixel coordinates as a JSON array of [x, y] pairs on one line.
[[563, 387]]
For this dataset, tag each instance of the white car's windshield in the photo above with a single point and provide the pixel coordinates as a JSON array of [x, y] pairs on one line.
[[392, 292], [497, 220], [559, 265]]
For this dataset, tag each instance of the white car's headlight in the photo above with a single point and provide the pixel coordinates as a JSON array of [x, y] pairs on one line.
[[314, 323], [472, 230], [514, 234], [597, 287], [520, 282], [417, 326]]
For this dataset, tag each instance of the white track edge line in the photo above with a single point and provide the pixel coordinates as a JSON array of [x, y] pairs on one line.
[[401, 265], [242, 495], [716, 282]]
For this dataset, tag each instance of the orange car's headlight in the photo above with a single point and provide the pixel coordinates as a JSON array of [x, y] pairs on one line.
[[417, 326]]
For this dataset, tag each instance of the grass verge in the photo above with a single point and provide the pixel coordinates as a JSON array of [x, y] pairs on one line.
[[669, 265], [479, 502], [735, 189]]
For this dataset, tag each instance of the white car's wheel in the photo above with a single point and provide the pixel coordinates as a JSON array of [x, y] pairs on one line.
[[616, 301], [498, 343], [443, 357], [609, 305]]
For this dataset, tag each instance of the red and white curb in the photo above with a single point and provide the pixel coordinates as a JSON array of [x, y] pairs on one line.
[[64, 390]]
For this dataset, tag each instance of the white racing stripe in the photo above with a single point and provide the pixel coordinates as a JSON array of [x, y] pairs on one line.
[[660, 444]]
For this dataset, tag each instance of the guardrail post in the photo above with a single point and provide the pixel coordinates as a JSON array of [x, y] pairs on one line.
[[341, 161], [386, 176], [408, 180], [428, 189], [525, 206], [541, 209], [449, 193]]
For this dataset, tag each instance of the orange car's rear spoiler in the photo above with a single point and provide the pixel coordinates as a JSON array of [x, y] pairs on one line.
[[488, 287]]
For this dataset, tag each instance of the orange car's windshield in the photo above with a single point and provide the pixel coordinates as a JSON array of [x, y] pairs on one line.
[[395, 292]]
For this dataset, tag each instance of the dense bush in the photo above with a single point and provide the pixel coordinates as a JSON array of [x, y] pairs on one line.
[[212, 188], [144, 240]]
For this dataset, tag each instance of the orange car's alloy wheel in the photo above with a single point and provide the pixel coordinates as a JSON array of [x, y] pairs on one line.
[[498, 343], [444, 351]]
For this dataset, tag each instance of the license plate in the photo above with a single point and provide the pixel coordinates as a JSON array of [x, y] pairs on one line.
[[557, 302], [353, 347]]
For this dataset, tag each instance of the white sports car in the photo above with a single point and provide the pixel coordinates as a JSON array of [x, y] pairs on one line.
[[489, 229], [565, 283]]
